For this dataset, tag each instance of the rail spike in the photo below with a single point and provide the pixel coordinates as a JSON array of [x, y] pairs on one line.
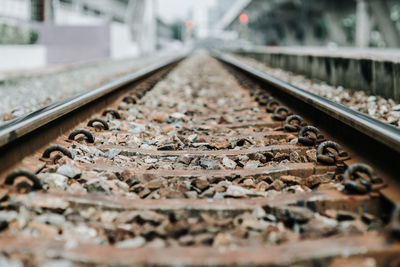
[[325, 156], [59, 148], [115, 114], [280, 113], [361, 185], [308, 140], [23, 173], [89, 135], [100, 121], [299, 122]]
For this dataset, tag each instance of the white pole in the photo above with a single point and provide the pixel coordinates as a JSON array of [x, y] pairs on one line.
[[362, 26]]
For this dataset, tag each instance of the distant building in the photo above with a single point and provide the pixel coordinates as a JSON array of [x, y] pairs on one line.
[[82, 30]]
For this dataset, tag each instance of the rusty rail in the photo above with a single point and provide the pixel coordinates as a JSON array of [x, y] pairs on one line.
[[365, 125], [377, 142], [20, 127]]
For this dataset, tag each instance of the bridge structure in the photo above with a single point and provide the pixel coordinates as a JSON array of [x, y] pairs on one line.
[[360, 23]]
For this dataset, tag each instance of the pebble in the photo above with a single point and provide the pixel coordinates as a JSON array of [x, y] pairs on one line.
[[154, 184], [8, 216], [69, 81], [209, 164], [352, 227], [10, 262], [277, 185], [150, 160], [8, 116], [292, 180], [298, 214], [97, 186], [160, 117], [375, 106], [228, 163], [53, 181], [315, 180], [122, 186], [200, 144], [192, 138], [221, 145], [69, 171], [248, 183], [202, 183], [52, 219], [294, 157], [396, 108], [243, 158], [178, 116], [238, 191], [111, 153], [259, 213], [252, 164], [319, 226], [146, 147], [186, 159], [312, 155], [131, 243], [191, 194], [167, 128], [156, 243]]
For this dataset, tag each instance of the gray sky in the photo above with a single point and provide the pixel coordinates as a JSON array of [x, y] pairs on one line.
[[172, 9]]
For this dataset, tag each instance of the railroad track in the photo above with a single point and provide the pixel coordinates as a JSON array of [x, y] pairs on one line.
[[200, 163]]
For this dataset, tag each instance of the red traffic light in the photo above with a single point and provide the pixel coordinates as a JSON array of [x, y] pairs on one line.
[[189, 24], [244, 18]]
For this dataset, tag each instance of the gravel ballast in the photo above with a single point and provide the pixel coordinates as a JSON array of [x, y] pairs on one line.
[[200, 121], [386, 110], [22, 94]]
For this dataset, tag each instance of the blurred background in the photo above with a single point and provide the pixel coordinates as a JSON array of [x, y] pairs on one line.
[[37, 33]]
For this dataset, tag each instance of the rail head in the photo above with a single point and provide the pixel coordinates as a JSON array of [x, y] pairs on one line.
[[379, 131], [22, 126]]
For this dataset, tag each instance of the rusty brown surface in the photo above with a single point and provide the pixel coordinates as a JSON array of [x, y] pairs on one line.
[[229, 152], [269, 134], [267, 123], [316, 251], [298, 169], [321, 200], [284, 187], [359, 148]]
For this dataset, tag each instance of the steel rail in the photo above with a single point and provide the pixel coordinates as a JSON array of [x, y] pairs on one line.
[[373, 128], [20, 127]]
